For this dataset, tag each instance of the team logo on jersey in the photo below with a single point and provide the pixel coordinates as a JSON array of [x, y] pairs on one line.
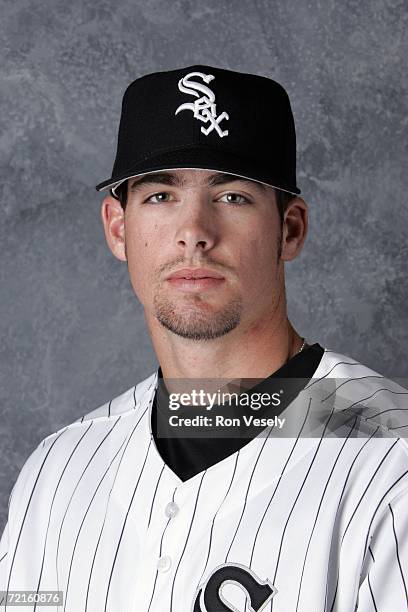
[[209, 598], [205, 108]]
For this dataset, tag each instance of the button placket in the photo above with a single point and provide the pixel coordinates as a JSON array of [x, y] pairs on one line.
[[164, 563], [171, 509]]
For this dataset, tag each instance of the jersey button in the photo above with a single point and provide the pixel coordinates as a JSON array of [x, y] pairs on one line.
[[164, 563], [171, 509]]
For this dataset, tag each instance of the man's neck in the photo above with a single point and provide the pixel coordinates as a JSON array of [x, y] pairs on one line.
[[255, 352]]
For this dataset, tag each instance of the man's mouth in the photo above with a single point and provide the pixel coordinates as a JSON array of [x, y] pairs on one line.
[[195, 273], [195, 279]]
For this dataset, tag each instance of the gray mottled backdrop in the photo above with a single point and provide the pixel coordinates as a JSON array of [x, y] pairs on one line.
[[72, 334]]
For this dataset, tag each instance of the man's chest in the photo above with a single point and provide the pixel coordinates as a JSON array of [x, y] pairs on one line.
[[280, 524]]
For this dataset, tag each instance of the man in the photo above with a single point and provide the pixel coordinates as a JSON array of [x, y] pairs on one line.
[[303, 508]]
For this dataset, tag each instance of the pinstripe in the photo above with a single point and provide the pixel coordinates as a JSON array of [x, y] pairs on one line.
[[278, 482], [366, 489], [84, 517], [246, 494], [154, 495], [124, 525], [318, 510], [185, 543], [384, 411], [160, 553], [379, 504], [106, 508], [343, 490], [297, 497], [215, 515], [52, 505], [349, 380], [365, 399], [368, 532], [28, 506], [73, 493], [339, 363], [371, 593], [398, 555]]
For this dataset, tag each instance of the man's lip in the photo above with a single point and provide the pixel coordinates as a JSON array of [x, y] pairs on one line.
[[194, 273]]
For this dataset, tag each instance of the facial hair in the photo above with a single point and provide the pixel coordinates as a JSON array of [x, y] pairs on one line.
[[196, 322]]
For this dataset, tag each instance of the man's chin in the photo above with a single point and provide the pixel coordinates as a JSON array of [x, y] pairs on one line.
[[196, 332], [199, 322]]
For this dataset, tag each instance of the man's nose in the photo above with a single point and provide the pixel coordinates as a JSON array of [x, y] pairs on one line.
[[196, 229]]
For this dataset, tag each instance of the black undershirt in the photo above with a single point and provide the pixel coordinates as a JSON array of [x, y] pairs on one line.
[[187, 456]]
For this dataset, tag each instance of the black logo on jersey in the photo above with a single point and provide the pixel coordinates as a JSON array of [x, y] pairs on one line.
[[208, 597]]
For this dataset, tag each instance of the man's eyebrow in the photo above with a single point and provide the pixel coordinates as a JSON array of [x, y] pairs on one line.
[[220, 178], [173, 180], [164, 178]]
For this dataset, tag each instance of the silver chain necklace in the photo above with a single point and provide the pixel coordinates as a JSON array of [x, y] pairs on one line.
[[302, 347], [299, 351]]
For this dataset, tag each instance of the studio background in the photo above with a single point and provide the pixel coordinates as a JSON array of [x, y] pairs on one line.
[[72, 333]]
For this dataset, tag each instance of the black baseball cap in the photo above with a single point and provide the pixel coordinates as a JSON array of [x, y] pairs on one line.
[[209, 118]]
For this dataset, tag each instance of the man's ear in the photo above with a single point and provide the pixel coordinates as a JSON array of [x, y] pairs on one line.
[[113, 219], [295, 228]]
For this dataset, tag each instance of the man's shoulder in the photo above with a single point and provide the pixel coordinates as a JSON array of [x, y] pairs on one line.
[[120, 405], [101, 418], [379, 402], [106, 422]]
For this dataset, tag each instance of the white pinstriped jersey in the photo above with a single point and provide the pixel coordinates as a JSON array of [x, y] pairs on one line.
[[285, 524]]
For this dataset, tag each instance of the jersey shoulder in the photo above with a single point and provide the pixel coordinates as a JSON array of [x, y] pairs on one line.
[[119, 405], [125, 402], [96, 425], [378, 401]]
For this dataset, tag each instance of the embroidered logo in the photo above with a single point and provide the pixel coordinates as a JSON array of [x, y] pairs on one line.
[[209, 598], [205, 108]]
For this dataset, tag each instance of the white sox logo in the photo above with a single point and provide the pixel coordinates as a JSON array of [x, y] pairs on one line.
[[204, 108], [208, 597]]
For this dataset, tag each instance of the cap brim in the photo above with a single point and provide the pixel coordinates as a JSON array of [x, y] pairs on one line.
[[203, 159]]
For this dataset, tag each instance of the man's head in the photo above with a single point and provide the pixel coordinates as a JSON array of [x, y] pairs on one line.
[[191, 218], [199, 138]]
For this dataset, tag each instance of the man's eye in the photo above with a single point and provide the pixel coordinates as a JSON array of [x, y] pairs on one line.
[[159, 196], [232, 198], [235, 198]]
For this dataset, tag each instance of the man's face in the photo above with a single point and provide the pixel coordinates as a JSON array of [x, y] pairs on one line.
[[203, 219]]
